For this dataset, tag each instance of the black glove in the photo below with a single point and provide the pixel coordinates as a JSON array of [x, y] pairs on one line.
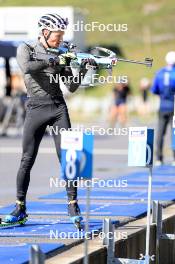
[[53, 61], [88, 63], [62, 60]]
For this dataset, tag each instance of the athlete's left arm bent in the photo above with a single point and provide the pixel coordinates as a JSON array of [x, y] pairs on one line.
[[72, 82]]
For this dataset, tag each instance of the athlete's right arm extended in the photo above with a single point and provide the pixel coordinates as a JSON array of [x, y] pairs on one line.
[[25, 62]]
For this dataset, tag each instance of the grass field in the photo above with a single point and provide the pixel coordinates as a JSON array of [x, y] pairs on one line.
[[150, 31]]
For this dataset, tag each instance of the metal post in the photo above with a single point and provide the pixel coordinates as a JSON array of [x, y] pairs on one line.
[[159, 235], [107, 228], [147, 256], [111, 244], [86, 258], [154, 212], [158, 231], [157, 219], [36, 255], [108, 232]]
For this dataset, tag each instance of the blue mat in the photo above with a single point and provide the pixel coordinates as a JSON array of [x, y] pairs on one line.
[[155, 173], [19, 253], [116, 195], [107, 209], [53, 229], [140, 178], [144, 184], [119, 193], [143, 177], [164, 167], [99, 194], [158, 195]]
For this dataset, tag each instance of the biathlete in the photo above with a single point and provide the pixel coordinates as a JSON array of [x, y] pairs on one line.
[[45, 106]]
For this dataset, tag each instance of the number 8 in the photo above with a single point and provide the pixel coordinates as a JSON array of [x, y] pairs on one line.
[[71, 157]]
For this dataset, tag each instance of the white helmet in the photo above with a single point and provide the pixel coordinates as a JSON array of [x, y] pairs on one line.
[[170, 58], [52, 22]]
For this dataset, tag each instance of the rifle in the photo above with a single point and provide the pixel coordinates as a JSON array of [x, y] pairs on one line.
[[68, 50]]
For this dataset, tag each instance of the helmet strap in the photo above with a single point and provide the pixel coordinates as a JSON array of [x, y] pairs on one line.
[[46, 38]]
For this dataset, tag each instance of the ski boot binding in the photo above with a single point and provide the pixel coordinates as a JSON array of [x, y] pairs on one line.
[[75, 215]]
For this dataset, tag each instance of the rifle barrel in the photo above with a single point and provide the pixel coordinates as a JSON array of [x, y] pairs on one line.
[[147, 62]]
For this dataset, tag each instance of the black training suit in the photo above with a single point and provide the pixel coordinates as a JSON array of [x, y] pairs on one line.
[[45, 106]]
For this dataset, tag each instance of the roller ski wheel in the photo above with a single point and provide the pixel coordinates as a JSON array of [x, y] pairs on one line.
[[17, 216], [77, 221], [75, 215], [18, 223]]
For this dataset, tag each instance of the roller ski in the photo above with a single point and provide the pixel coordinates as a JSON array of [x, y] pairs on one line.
[[16, 217], [75, 215]]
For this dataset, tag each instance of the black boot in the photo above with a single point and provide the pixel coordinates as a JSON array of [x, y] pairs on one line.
[[74, 213], [19, 214]]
